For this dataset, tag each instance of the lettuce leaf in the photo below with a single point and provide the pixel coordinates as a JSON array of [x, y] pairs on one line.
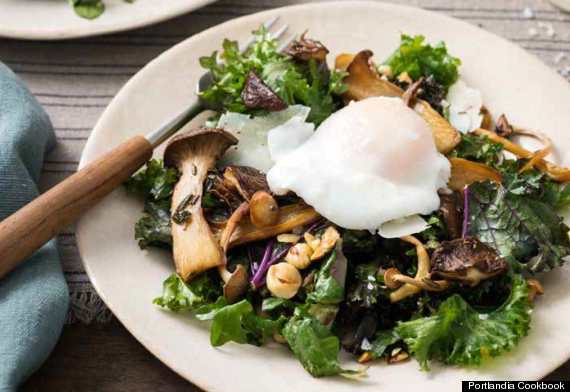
[[526, 232], [459, 335], [238, 323], [328, 290], [418, 58]]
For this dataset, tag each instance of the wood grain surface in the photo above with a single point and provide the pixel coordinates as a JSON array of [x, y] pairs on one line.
[[75, 80]]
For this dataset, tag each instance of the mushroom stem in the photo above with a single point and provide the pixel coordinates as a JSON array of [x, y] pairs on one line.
[[422, 279], [194, 152], [424, 284], [557, 173], [189, 258], [232, 224], [235, 282]]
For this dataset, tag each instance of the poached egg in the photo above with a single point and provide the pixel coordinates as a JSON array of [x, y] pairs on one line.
[[372, 162]]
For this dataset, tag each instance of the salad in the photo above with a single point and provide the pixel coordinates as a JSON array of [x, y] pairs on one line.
[[90, 9], [375, 207]]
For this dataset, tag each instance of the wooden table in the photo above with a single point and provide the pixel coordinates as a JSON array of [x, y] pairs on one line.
[[75, 81]]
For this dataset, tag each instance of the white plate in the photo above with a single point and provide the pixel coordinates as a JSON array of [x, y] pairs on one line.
[[55, 19], [127, 279]]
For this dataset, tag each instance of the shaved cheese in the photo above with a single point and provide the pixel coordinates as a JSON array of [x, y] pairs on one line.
[[252, 148], [465, 105], [402, 227]]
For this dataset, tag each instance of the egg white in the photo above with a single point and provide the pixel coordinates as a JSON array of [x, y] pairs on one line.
[[369, 163]]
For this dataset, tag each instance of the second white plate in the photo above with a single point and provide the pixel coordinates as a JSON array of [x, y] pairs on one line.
[[55, 19]]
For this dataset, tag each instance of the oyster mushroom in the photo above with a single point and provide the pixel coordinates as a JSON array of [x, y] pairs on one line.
[[364, 82], [305, 49], [290, 217], [450, 212], [236, 282], [467, 260], [245, 180], [195, 249], [257, 95], [422, 280]]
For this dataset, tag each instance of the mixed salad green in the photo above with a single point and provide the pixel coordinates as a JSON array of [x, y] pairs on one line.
[[343, 289], [90, 9]]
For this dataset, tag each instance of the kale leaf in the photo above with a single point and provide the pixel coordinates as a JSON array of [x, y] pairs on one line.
[[314, 345], [418, 58], [479, 149], [382, 340], [366, 287], [459, 335], [527, 232], [178, 295], [360, 242], [155, 183]]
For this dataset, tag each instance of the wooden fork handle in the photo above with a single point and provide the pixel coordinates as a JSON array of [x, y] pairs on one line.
[[33, 225]]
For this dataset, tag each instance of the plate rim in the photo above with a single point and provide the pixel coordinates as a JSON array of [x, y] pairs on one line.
[[34, 34], [148, 344]]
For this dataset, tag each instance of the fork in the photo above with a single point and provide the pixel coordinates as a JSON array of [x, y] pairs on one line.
[[33, 225]]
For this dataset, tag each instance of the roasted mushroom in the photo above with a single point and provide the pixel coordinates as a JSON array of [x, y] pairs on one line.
[[408, 286], [264, 211], [467, 260], [257, 95], [194, 153], [290, 217], [503, 127], [305, 49], [465, 172], [364, 82], [245, 180], [450, 211], [236, 282]]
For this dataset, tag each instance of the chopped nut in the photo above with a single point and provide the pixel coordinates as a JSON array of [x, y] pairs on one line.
[[288, 238], [311, 240], [398, 356], [534, 289], [405, 78], [365, 357], [327, 243], [299, 256]]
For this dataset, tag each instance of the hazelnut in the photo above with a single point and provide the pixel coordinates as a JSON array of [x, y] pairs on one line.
[[326, 244], [299, 256], [283, 280]]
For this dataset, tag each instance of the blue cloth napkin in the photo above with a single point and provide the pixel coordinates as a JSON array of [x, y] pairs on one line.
[[33, 297]]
